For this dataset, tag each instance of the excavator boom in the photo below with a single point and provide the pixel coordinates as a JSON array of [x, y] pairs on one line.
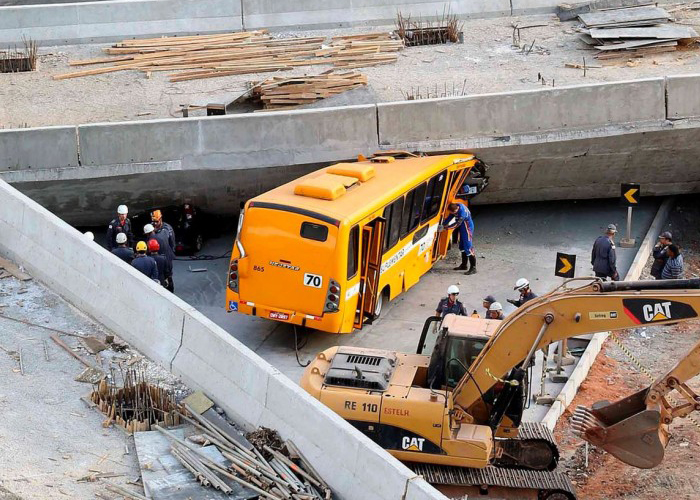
[[634, 429]]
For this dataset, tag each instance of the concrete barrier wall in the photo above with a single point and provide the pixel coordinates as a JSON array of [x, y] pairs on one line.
[[38, 148], [88, 22], [334, 13], [683, 96], [437, 124], [232, 142], [206, 357]]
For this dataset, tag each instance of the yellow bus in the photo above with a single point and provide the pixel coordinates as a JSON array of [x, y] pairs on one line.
[[327, 250]]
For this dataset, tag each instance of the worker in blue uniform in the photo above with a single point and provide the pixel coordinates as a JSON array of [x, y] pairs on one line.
[[460, 219]]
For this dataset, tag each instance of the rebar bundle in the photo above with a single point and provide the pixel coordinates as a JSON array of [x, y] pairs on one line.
[[425, 32], [14, 61]]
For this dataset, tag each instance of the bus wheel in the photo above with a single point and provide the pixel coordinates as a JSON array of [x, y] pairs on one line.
[[384, 296]]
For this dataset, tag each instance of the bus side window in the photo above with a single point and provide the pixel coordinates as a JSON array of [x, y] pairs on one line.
[[433, 196], [387, 218], [413, 208], [394, 224], [353, 250]]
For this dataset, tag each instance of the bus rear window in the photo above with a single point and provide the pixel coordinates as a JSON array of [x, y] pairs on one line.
[[312, 231]]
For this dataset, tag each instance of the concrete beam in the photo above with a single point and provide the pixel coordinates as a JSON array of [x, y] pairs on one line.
[[38, 148], [683, 96]]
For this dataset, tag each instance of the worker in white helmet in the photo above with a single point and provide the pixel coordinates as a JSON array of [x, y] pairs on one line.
[[450, 304], [120, 224], [89, 235], [522, 286], [495, 311]]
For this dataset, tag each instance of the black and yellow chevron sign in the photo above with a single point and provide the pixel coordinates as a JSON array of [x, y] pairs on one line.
[[629, 194], [565, 266]]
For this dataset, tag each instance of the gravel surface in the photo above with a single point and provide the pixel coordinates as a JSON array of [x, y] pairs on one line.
[[486, 62]]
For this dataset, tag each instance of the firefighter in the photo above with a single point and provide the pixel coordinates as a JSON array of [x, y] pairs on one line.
[[122, 251], [522, 286], [450, 304], [120, 224], [144, 263]]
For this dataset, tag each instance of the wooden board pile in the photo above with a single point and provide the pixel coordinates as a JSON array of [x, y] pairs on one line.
[[632, 32], [287, 93], [208, 56]]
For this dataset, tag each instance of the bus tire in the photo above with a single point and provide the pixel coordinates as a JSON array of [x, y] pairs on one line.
[[383, 297]]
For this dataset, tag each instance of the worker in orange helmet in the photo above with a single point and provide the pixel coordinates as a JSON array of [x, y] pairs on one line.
[[160, 225]]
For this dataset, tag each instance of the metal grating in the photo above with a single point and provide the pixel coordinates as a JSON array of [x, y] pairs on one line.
[[359, 359]]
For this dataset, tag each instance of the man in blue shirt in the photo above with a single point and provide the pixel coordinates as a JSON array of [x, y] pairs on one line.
[[450, 304], [460, 219], [603, 256]]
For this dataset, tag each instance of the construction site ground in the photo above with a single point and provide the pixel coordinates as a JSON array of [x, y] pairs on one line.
[[615, 375], [51, 442], [486, 62]]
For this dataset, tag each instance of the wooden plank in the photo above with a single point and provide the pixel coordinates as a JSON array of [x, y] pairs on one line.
[[15, 271], [661, 32]]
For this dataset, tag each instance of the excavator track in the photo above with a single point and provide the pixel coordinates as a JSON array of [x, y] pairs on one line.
[[549, 484], [534, 448]]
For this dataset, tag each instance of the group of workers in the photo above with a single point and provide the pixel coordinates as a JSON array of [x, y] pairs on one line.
[[668, 260], [154, 252], [494, 310]]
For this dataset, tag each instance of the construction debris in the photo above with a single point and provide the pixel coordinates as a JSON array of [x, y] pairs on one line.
[[425, 32], [287, 93], [239, 53], [17, 60], [632, 32], [137, 405]]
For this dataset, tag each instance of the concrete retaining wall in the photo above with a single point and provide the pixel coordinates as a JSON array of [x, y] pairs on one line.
[[433, 125], [176, 335], [38, 148], [683, 96], [88, 22], [233, 142]]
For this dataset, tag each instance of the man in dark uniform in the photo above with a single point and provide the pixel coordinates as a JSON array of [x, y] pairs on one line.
[[523, 286], [603, 256], [160, 225], [165, 271], [122, 251], [486, 303], [450, 304], [495, 312], [165, 249], [121, 224], [660, 254], [144, 263]]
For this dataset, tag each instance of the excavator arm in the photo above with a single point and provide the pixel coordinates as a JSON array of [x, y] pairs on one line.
[[634, 429]]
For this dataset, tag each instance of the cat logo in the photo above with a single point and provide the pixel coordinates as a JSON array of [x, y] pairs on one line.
[[643, 311], [657, 312], [412, 444]]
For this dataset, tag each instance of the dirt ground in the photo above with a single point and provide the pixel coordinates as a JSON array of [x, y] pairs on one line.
[[486, 62], [614, 376]]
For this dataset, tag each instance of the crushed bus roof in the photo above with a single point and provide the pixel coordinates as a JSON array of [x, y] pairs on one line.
[[390, 180]]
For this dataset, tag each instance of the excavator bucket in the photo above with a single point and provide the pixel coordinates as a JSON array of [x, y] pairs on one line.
[[626, 429]]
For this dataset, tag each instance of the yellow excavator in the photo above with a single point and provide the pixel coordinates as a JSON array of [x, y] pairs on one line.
[[453, 410]]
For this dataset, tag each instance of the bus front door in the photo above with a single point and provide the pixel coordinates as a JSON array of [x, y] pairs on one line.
[[457, 179], [370, 270]]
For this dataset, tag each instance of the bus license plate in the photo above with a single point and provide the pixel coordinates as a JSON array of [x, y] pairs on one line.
[[278, 315]]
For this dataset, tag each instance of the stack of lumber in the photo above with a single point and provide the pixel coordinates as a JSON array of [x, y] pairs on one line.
[[357, 51], [287, 93], [208, 56], [633, 31]]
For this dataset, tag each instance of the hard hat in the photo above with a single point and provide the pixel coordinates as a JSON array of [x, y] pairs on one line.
[[153, 245], [148, 228], [121, 238], [156, 215], [612, 228], [490, 299], [667, 235], [452, 289], [521, 283], [122, 210], [89, 236], [141, 246], [496, 306]]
